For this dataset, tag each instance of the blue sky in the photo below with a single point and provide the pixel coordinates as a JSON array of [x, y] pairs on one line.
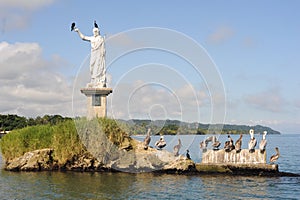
[[253, 44]]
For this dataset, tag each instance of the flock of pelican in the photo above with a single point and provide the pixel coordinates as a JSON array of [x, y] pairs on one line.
[[161, 143], [229, 145], [237, 146]]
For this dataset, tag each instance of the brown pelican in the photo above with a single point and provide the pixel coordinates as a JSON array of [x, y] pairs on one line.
[[204, 143], [188, 155], [275, 157], [263, 143], [177, 147], [238, 144], [229, 146], [160, 143], [215, 143], [252, 142], [147, 139]]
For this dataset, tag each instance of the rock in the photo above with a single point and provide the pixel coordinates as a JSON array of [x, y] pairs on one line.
[[33, 161], [128, 157]]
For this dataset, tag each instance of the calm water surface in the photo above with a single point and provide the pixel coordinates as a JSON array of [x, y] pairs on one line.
[[76, 185]]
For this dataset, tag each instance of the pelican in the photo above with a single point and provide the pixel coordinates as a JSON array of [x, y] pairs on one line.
[[238, 144], [161, 143], [188, 155], [215, 143], [263, 143], [177, 147], [275, 157], [204, 143], [252, 142], [147, 139], [229, 146]]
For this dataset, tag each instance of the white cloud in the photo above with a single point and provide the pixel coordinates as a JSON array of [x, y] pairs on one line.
[[32, 4], [143, 100], [16, 14], [29, 84], [269, 100]]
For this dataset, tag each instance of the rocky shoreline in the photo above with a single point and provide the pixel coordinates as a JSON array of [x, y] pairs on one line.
[[42, 160]]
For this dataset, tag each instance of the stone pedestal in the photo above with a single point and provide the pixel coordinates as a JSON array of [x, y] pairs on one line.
[[96, 101], [232, 157]]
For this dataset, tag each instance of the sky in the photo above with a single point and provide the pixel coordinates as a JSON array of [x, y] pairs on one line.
[[234, 62]]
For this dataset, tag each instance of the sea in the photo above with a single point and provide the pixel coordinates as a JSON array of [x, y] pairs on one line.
[[99, 185]]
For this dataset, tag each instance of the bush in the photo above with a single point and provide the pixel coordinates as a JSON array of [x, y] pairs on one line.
[[63, 138], [66, 142], [20, 141]]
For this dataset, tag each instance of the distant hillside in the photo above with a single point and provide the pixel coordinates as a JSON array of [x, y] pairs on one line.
[[173, 127]]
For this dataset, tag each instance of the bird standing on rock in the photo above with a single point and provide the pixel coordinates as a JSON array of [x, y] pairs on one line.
[[238, 144], [188, 155], [161, 143], [177, 147], [252, 142], [229, 145], [147, 139], [215, 143], [275, 157], [263, 143]]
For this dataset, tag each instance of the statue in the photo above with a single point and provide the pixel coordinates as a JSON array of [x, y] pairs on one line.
[[97, 60]]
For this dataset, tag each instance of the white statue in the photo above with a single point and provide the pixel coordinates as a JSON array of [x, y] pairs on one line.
[[97, 61]]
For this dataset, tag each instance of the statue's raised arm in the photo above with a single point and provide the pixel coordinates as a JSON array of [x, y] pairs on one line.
[[97, 60], [80, 34]]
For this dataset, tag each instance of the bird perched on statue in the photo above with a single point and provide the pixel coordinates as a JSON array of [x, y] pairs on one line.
[[147, 139], [161, 143], [95, 24], [252, 142], [238, 144], [177, 147], [275, 157], [263, 143], [73, 26]]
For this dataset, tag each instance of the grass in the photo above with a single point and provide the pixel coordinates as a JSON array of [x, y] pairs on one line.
[[63, 138]]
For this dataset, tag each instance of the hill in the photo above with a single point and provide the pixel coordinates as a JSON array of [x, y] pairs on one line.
[[173, 127]]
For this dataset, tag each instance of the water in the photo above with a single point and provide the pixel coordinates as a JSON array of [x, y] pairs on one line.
[[76, 185]]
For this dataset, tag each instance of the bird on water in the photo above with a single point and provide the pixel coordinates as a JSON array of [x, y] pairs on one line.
[[263, 143], [275, 157], [252, 142]]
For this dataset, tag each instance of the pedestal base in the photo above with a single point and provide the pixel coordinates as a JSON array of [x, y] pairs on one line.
[[96, 101]]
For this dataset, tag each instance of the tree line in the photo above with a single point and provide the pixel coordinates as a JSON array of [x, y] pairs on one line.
[[10, 122]]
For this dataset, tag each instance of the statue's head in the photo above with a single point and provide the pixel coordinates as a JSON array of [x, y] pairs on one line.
[[96, 31]]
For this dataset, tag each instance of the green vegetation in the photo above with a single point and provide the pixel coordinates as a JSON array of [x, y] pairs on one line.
[[174, 127], [61, 134], [11, 122], [63, 138]]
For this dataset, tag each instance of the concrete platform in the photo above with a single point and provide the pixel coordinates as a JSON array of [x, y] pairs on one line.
[[238, 169]]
